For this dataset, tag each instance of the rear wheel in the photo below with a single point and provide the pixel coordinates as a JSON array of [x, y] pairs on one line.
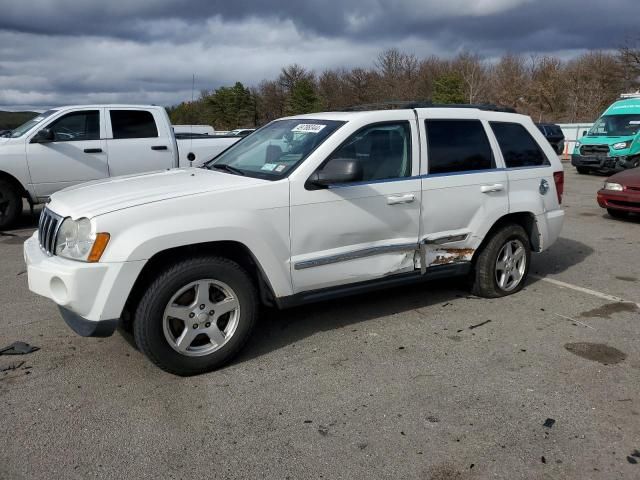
[[196, 316], [10, 204], [503, 264], [583, 170], [617, 213]]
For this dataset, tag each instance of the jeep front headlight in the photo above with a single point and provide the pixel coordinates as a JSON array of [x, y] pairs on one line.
[[77, 241]]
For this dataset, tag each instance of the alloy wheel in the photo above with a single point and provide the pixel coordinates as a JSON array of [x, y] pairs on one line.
[[511, 265], [201, 317]]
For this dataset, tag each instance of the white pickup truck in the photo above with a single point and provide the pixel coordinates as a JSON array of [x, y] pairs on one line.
[[306, 208], [70, 145]]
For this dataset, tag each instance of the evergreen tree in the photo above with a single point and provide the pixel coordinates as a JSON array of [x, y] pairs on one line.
[[449, 88]]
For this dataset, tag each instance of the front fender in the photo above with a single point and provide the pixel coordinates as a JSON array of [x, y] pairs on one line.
[[142, 232]]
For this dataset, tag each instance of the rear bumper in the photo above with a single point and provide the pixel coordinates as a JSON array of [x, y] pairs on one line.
[[615, 164], [629, 202], [549, 227]]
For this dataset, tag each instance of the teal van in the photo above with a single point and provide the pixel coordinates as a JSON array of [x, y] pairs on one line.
[[613, 143]]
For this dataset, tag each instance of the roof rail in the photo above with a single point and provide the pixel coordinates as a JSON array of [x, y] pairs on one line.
[[630, 95], [411, 104]]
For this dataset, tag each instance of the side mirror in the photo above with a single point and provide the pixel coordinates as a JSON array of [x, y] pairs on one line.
[[584, 133], [336, 171], [45, 135]]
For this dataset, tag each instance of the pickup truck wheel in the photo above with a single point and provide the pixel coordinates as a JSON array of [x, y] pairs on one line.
[[196, 315], [583, 170], [10, 204], [503, 264]]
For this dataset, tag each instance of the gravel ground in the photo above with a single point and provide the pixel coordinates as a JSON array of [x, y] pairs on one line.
[[423, 382]]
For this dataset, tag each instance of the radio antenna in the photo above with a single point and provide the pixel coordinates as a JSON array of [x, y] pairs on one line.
[[193, 89]]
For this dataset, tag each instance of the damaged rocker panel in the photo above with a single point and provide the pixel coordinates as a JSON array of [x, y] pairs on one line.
[[430, 254], [365, 252]]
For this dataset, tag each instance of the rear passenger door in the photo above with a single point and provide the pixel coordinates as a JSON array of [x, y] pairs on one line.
[[465, 188], [135, 142], [529, 170]]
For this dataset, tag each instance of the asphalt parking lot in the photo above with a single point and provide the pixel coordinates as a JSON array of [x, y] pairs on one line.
[[424, 382]]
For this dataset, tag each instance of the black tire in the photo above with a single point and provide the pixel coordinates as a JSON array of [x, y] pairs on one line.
[[10, 204], [583, 170], [617, 213], [483, 278], [148, 324]]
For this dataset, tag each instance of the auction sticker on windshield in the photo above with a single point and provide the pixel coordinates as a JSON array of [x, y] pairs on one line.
[[308, 127]]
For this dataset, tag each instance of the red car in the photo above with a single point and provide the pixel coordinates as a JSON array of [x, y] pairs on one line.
[[620, 194]]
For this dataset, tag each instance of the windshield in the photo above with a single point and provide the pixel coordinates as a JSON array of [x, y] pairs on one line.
[[25, 127], [276, 149], [616, 126]]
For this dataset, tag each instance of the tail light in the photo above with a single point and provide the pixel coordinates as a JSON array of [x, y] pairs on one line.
[[558, 178]]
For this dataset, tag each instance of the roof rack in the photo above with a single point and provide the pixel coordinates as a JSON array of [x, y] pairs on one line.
[[411, 104], [630, 95]]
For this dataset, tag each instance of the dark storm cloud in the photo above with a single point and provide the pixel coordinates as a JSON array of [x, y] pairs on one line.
[[70, 51], [549, 24]]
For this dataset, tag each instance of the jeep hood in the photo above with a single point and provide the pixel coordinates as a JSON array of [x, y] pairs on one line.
[[104, 196]]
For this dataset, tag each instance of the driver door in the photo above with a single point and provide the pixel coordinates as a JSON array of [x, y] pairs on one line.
[[77, 153], [365, 230]]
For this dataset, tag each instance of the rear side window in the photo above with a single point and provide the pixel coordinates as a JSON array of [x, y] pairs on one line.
[[518, 147], [133, 124], [458, 146]]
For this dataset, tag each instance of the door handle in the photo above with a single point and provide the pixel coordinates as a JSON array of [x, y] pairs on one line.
[[398, 199], [496, 187], [159, 147], [92, 150]]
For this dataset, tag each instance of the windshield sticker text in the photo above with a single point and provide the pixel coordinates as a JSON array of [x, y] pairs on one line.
[[308, 128]]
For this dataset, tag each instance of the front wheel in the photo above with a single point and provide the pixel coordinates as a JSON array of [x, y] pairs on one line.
[[583, 170], [10, 204], [196, 316], [503, 264]]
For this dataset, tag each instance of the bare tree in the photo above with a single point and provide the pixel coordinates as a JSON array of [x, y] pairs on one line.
[[629, 57], [509, 81], [397, 73], [292, 74], [473, 73]]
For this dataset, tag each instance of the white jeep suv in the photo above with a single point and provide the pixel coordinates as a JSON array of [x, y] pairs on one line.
[[307, 208]]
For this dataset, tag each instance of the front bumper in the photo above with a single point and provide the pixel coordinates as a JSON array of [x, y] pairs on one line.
[[615, 164], [88, 328], [629, 202], [88, 293]]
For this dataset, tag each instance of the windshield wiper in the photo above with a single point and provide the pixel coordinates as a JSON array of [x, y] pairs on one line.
[[228, 168]]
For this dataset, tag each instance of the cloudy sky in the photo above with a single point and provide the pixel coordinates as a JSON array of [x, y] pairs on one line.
[[55, 52]]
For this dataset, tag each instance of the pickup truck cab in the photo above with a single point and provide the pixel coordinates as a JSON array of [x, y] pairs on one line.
[[71, 145], [307, 208], [613, 143]]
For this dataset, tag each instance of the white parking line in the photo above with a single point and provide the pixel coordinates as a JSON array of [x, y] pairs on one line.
[[588, 291]]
